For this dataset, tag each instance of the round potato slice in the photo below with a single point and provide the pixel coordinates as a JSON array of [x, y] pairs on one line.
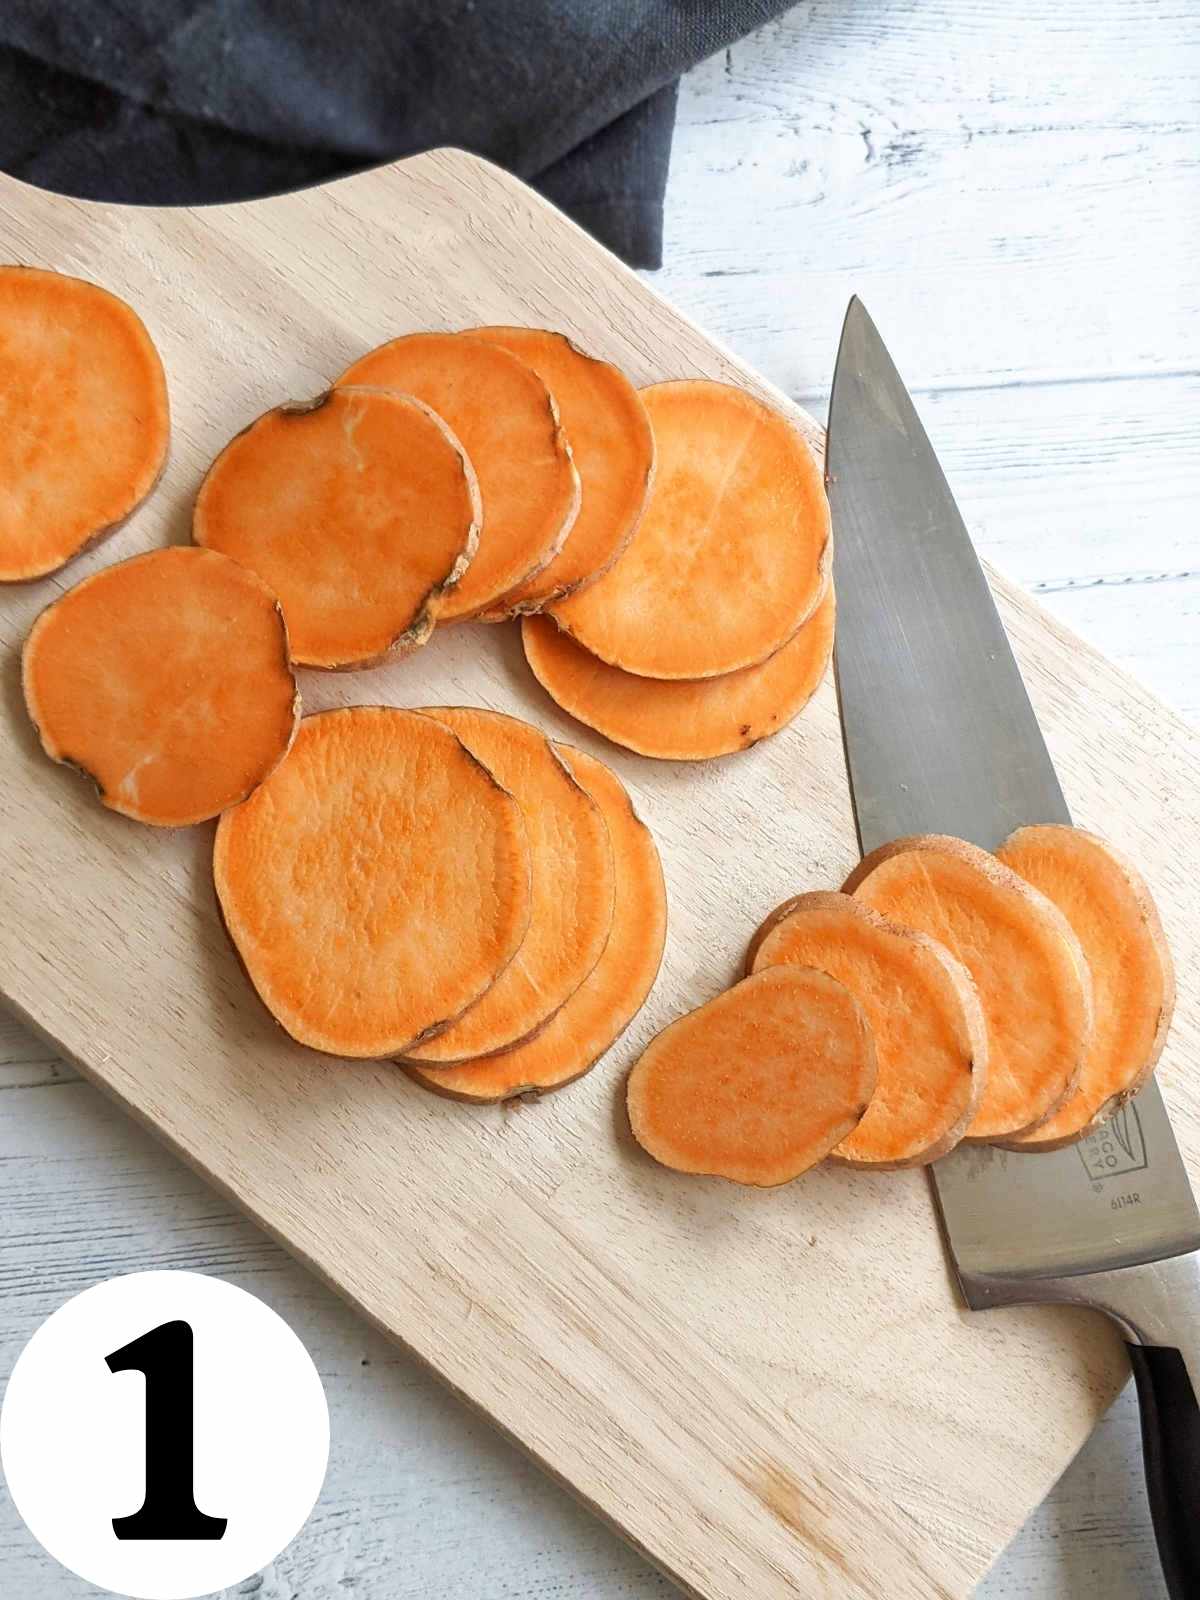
[[166, 680], [682, 719], [573, 888], [608, 999], [758, 1085], [1110, 908], [613, 445], [733, 552], [924, 1015], [377, 884], [84, 422], [1029, 969], [360, 510], [509, 426]]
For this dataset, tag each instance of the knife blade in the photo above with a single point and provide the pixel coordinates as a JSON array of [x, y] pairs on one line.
[[940, 737]]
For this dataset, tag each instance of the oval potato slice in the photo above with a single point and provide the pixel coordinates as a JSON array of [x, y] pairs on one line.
[[359, 509], [682, 719], [1029, 970], [573, 889], [732, 553], [84, 422], [613, 446], [758, 1085], [508, 423], [1110, 908], [612, 994], [924, 1015], [376, 884], [131, 677]]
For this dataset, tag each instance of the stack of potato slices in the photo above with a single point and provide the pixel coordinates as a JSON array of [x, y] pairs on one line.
[[1017, 999], [448, 888]]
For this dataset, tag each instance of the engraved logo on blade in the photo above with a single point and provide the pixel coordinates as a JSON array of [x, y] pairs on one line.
[[1119, 1147]]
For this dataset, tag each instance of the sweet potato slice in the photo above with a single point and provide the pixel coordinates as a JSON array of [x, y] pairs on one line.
[[1107, 903], [759, 1084], [508, 424], [377, 884], [1028, 967], [573, 887], [83, 418], [605, 1003], [613, 446], [166, 680], [360, 510], [923, 1012], [733, 551], [682, 719]]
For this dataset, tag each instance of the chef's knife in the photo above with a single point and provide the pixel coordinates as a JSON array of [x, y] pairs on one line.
[[941, 738]]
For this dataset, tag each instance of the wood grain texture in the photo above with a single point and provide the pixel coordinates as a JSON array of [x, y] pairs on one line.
[[1044, 145], [778, 1309], [423, 1500]]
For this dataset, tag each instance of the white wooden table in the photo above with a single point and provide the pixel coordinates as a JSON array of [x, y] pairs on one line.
[[1015, 192]]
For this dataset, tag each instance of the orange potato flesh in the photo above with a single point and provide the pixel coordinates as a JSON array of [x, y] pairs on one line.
[[733, 551], [83, 418], [923, 1012], [166, 679], [1028, 968], [758, 1085], [573, 887], [682, 719], [360, 510], [1109, 906], [613, 446], [610, 997], [376, 884], [508, 424]]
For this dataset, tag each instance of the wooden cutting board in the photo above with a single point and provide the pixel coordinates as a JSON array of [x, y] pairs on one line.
[[771, 1394]]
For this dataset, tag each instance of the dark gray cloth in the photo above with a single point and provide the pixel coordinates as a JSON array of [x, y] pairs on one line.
[[190, 101]]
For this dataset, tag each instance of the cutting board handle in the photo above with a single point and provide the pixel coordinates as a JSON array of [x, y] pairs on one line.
[[1171, 1444]]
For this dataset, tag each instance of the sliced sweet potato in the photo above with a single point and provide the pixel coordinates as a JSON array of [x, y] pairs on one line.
[[509, 426], [733, 551], [923, 1012], [613, 993], [166, 680], [1028, 967], [759, 1084], [83, 418], [613, 446], [682, 719], [1107, 903], [360, 510], [573, 885], [377, 884]]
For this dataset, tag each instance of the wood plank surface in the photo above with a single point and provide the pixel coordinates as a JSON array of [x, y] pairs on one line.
[[770, 1394]]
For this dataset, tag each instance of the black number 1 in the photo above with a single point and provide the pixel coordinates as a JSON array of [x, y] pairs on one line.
[[169, 1511]]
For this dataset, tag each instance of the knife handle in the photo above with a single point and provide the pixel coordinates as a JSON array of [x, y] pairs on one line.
[[1171, 1445], [1156, 1305]]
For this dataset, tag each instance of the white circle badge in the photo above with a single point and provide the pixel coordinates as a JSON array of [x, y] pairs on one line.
[[164, 1435]]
